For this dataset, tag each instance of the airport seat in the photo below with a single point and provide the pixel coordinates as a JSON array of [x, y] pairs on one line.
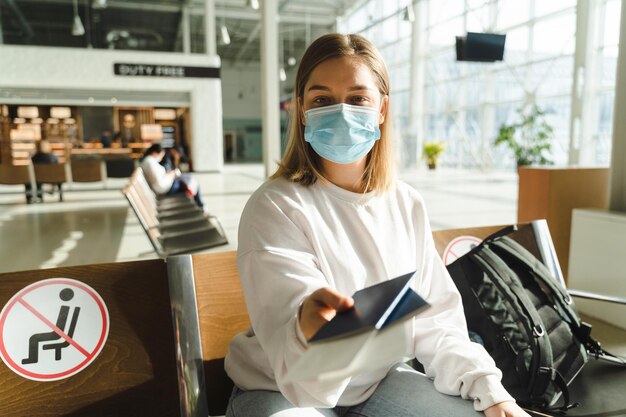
[[134, 374], [19, 175], [120, 167], [176, 228], [161, 202], [221, 314], [88, 170], [54, 174]]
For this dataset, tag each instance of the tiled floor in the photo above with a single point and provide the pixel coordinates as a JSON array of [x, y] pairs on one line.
[[95, 225]]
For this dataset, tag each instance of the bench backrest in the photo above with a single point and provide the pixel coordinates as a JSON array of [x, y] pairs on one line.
[[145, 216], [222, 314], [50, 173], [135, 374], [87, 170], [14, 174]]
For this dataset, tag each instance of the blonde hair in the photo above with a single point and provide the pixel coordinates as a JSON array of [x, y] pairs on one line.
[[300, 162]]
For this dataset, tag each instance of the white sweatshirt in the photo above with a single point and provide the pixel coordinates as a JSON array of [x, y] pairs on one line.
[[295, 239], [156, 175]]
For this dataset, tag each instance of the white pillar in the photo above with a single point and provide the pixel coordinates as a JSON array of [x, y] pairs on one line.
[[416, 86], [617, 196], [209, 27], [270, 100], [584, 109], [186, 30], [207, 145], [1, 38], [487, 108]]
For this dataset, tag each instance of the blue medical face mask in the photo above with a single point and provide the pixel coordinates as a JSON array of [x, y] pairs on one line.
[[342, 133]]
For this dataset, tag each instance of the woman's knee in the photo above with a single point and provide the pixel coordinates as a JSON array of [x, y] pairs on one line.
[[407, 392], [260, 403]]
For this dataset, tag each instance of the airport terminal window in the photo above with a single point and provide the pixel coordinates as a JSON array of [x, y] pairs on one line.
[[465, 103]]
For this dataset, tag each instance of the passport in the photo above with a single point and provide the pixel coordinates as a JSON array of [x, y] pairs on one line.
[[374, 334], [374, 308]]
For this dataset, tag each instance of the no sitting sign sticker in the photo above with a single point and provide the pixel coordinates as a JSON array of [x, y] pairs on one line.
[[53, 329]]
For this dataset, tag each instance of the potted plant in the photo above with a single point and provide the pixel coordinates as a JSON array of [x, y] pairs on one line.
[[432, 151], [530, 139]]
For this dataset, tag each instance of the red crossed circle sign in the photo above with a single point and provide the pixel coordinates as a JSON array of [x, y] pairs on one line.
[[459, 247], [53, 329]]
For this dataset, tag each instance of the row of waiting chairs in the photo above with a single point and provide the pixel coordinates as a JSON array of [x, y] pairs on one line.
[[79, 170], [171, 324], [174, 223]]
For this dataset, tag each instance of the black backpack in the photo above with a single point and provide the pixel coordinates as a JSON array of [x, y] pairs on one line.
[[524, 319]]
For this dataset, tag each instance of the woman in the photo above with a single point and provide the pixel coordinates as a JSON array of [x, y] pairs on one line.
[[168, 182], [332, 220]]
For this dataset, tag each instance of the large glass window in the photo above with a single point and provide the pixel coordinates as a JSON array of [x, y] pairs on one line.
[[606, 66], [464, 103]]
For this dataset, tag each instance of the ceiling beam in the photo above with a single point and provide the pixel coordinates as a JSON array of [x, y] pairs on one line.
[[284, 17]]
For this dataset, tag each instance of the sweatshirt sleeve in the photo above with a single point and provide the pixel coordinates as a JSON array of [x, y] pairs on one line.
[[278, 269], [457, 365]]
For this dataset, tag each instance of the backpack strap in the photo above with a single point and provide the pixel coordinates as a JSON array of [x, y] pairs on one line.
[[558, 381], [495, 235], [498, 234], [541, 274]]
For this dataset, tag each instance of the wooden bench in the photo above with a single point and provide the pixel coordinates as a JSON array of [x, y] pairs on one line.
[[88, 170], [170, 325], [19, 175], [173, 225], [55, 174], [135, 373]]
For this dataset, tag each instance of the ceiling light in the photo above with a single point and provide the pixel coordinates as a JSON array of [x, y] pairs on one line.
[[60, 112], [291, 61], [282, 74], [254, 4], [225, 35], [77, 28], [99, 4], [27, 112]]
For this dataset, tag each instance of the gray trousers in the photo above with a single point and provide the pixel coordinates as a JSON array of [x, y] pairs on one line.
[[403, 393]]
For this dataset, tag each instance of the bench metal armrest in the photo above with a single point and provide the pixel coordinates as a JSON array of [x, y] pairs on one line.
[[588, 295]]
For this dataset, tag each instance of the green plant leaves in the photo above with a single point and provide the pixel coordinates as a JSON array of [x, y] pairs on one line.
[[530, 139]]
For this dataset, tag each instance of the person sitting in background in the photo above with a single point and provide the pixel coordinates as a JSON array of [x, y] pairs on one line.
[[43, 155], [105, 139], [168, 182]]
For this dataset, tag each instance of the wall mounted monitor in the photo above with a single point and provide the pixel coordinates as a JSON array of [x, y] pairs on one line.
[[480, 47]]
